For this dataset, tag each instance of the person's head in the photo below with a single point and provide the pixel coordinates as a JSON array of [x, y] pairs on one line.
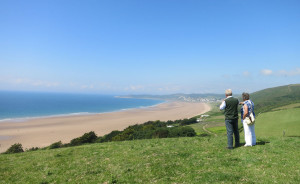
[[228, 92], [245, 96]]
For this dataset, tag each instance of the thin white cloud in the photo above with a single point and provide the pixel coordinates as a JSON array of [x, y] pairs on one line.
[[246, 73], [266, 72], [30, 82], [169, 88], [20, 81], [289, 73], [135, 88], [226, 76], [43, 83], [90, 86], [294, 72]]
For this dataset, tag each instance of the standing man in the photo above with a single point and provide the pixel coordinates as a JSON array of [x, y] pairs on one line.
[[230, 105]]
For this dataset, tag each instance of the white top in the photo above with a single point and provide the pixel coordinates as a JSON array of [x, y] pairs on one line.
[[223, 104]]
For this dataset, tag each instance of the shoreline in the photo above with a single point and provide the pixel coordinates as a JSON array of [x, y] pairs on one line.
[[24, 119], [41, 132]]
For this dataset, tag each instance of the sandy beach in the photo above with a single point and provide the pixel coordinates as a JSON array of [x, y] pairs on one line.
[[41, 132]]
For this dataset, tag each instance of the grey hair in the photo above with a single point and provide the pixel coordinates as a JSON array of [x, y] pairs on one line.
[[245, 96], [228, 92]]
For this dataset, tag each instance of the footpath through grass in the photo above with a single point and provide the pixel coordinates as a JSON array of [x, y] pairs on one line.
[[214, 123], [172, 160]]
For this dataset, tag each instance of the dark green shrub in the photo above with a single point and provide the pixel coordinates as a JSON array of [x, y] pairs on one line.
[[135, 127], [182, 132], [32, 149], [145, 134], [108, 137], [98, 140], [187, 131], [15, 148], [89, 137], [174, 132], [188, 121], [127, 134], [86, 138], [159, 124], [169, 122], [148, 127], [75, 142], [161, 133], [56, 145], [66, 145]]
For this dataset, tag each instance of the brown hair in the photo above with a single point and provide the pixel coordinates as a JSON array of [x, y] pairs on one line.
[[245, 96]]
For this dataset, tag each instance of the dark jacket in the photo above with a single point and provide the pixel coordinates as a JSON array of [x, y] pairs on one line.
[[231, 109]]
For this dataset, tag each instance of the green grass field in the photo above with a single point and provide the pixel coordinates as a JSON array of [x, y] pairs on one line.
[[276, 122], [198, 127], [220, 130], [295, 105], [173, 160]]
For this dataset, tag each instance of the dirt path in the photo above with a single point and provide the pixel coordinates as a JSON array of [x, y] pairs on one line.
[[204, 128]]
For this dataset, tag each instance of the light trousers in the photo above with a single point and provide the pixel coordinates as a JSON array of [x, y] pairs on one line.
[[250, 137]]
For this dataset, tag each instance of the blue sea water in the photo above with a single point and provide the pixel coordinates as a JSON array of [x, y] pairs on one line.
[[32, 104]]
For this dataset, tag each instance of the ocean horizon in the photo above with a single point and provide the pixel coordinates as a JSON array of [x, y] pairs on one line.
[[15, 105]]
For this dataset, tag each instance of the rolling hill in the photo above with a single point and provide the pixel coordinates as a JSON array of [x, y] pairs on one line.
[[271, 98]]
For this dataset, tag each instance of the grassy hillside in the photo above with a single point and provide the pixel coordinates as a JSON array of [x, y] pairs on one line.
[[279, 123], [172, 160], [277, 103], [268, 99]]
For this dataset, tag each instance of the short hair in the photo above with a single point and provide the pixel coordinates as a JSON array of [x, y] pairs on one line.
[[245, 96], [228, 92]]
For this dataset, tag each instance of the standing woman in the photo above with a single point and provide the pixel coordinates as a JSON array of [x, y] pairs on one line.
[[247, 109]]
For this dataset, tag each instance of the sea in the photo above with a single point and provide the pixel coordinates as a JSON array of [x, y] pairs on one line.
[[16, 106]]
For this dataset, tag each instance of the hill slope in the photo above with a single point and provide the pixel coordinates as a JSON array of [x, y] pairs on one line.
[[172, 160], [279, 123], [268, 99]]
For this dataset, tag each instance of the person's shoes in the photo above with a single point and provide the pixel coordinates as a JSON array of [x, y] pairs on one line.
[[247, 145], [229, 148]]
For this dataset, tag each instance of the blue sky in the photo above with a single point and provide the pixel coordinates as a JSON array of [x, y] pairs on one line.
[[148, 47]]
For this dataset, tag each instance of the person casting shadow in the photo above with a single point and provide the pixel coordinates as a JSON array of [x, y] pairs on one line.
[[246, 110], [230, 106]]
